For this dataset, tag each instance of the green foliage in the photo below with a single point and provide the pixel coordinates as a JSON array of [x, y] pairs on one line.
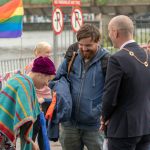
[[38, 1], [3, 2], [102, 2], [99, 2], [85, 1], [127, 1], [29, 1]]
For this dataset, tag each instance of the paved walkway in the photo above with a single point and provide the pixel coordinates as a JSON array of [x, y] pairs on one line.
[[55, 146]]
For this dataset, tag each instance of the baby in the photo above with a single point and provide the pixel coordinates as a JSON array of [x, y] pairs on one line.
[[43, 49]]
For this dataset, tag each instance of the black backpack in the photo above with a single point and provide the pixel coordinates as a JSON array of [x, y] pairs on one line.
[[71, 53]]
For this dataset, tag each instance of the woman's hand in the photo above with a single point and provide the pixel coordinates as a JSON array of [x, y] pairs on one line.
[[35, 146]]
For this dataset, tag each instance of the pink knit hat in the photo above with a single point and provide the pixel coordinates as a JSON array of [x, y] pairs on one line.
[[43, 65]]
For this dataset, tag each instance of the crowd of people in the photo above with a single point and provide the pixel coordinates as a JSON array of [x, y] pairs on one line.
[[98, 96]]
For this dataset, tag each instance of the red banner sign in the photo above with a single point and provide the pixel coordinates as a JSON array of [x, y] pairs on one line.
[[67, 2]]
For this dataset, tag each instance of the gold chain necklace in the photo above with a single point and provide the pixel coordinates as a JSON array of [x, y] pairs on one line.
[[145, 63]]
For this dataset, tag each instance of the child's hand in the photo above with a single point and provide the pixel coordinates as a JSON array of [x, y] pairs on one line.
[[35, 146], [40, 100]]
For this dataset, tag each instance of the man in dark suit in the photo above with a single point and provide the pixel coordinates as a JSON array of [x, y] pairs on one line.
[[126, 99]]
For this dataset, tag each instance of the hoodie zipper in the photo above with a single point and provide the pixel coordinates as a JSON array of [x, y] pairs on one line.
[[81, 88]]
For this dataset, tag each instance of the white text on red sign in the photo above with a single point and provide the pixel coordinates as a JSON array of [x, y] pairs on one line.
[[67, 2]]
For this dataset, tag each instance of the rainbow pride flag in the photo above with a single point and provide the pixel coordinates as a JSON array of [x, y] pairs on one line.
[[11, 19]]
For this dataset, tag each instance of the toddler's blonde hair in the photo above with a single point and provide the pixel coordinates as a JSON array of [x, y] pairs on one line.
[[41, 46]]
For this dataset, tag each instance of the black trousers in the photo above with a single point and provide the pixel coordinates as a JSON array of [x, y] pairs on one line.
[[134, 143]]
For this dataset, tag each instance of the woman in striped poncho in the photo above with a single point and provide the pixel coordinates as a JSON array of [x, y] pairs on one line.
[[19, 107]]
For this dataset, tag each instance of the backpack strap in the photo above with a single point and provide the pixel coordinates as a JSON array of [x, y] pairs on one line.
[[72, 48], [70, 63], [104, 62]]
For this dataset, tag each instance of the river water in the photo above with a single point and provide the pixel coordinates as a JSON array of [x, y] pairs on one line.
[[23, 46]]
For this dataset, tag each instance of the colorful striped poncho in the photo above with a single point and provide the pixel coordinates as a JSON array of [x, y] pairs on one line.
[[18, 107], [11, 18]]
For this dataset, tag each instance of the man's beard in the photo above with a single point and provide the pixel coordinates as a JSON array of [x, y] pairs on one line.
[[88, 54]]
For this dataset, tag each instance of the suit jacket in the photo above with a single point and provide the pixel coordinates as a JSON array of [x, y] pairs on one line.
[[126, 98]]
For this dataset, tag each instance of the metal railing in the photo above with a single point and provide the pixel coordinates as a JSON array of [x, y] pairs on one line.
[[142, 35], [13, 65]]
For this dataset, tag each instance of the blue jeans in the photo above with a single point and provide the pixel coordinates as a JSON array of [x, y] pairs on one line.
[[72, 138]]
